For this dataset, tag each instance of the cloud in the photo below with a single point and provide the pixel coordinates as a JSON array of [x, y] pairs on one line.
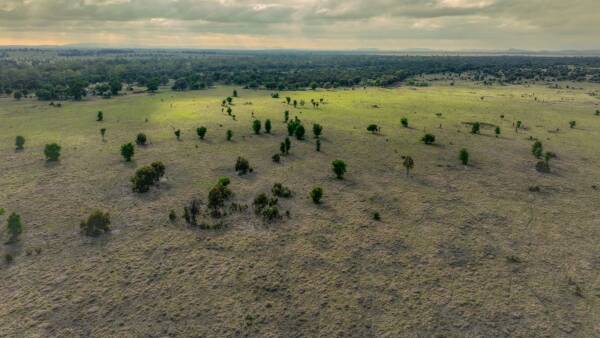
[[324, 24]]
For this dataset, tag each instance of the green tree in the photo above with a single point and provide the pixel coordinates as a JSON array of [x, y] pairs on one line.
[[318, 145], [317, 130], [127, 151], [14, 227], [537, 149], [316, 194], [268, 126], [235, 93], [404, 122], [288, 145], [242, 166], [286, 116], [96, 224], [52, 152], [229, 134], [497, 131], [572, 124], [141, 139], [372, 128], [229, 99], [475, 128], [201, 132], [408, 164], [299, 132], [115, 86], [100, 116], [256, 126], [102, 133], [339, 168], [464, 156], [19, 142], [177, 134], [428, 139]]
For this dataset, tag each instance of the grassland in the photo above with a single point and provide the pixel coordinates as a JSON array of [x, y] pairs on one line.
[[459, 251]]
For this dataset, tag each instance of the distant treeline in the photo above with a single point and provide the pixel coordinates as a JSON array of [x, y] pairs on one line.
[[54, 74]]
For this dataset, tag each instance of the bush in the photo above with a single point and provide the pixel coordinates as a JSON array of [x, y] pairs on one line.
[[260, 202], [256, 126], [147, 176], [276, 158], [537, 149], [218, 195], [292, 125], [299, 132], [475, 128], [229, 134], [201, 132], [100, 116], [497, 131], [428, 139], [97, 223], [404, 122], [373, 128], [242, 166], [19, 142], [268, 126], [317, 130], [376, 216], [141, 139], [280, 190], [316, 194], [158, 169], [178, 134], [224, 181], [127, 151], [14, 226], [408, 164], [102, 132], [318, 145], [270, 213], [52, 152], [464, 156], [572, 124], [339, 168]]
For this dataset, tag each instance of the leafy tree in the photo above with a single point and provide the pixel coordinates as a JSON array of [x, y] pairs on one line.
[[268, 126], [537, 149], [76, 88], [147, 176], [299, 132], [102, 133], [339, 168], [316, 194], [100, 116], [428, 139], [464, 156], [318, 145], [475, 128], [404, 122], [14, 226], [96, 224], [201, 132], [372, 128], [292, 125], [256, 126], [152, 85], [218, 195], [115, 86], [242, 166], [19, 142], [313, 85], [178, 134], [180, 85], [127, 151], [317, 130], [295, 103], [229, 134], [141, 139], [18, 95], [52, 152], [497, 131], [408, 164]]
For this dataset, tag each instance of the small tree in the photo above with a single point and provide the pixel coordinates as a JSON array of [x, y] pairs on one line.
[[96, 224], [229, 111], [497, 131], [316, 194], [141, 139], [537, 149], [299, 132], [229, 134], [235, 93], [373, 128], [100, 116], [14, 227], [339, 168], [147, 176], [286, 115], [178, 134], [280, 190], [256, 126], [201, 132], [404, 122], [229, 100], [317, 130], [464, 156], [52, 152], [475, 128], [318, 145], [572, 124], [408, 164], [102, 133], [276, 158], [288, 145], [288, 99], [19, 142], [268, 126], [428, 139], [158, 169], [282, 148], [127, 151], [242, 166]]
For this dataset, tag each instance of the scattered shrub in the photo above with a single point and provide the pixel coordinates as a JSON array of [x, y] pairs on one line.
[[428, 139], [127, 151], [373, 128], [14, 227], [316, 194], [242, 166], [404, 122], [268, 126], [229, 134], [19, 142], [276, 158], [280, 190], [475, 128], [97, 223], [408, 164], [299, 132], [100, 116], [201, 132], [256, 126], [339, 168], [537, 149], [141, 139], [52, 152], [464, 156], [317, 130]]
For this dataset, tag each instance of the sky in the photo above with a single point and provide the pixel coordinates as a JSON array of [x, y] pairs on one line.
[[305, 24]]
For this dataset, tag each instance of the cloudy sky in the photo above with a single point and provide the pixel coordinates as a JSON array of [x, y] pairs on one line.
[[313, 24]]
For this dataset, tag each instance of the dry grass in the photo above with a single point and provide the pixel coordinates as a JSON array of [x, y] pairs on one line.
[[460, 251]]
